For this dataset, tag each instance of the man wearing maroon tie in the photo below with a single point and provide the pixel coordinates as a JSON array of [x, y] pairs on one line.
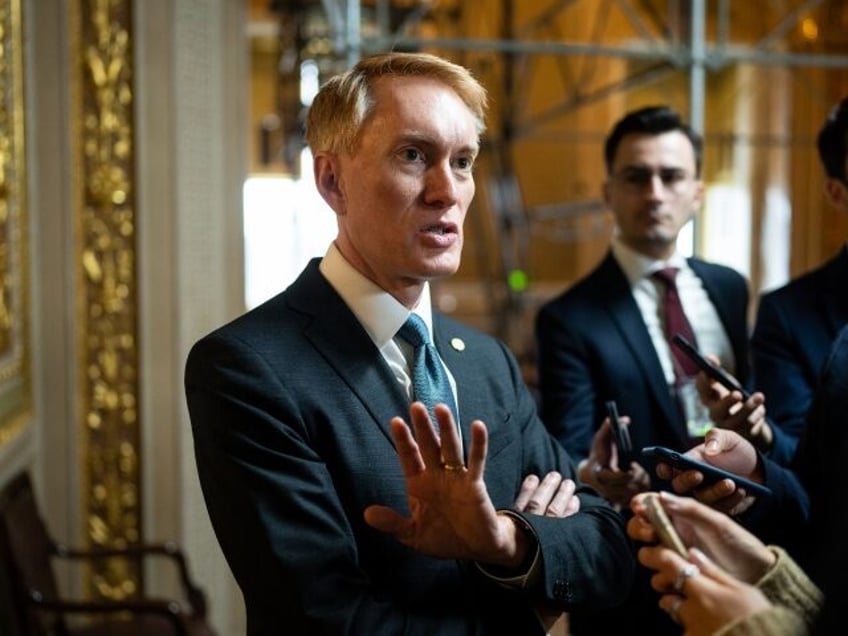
[[607, 337]]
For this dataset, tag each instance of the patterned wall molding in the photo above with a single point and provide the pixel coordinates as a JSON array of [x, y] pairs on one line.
[[15, 372], [106, 257]]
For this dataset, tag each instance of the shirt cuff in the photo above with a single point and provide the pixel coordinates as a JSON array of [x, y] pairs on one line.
[[528, 573]]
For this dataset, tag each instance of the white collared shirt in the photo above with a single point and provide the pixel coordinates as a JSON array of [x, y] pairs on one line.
[[381, 314], [702, 315]]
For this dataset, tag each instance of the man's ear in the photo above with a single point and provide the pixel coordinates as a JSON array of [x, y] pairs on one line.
[[605, 191], [700, 192], [325, 167], [837, 193]]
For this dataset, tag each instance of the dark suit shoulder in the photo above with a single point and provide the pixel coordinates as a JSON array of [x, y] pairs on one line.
[[268, 320], [605, 280], [812, 283], [708, 268], [284, 316], [721, 281]]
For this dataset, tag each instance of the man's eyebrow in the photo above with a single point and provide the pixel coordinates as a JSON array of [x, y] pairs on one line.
[[425, 139], [415, 137], [645, 167], [474, 149]]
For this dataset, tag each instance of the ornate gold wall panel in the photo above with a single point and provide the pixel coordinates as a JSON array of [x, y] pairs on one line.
[[101, 35], [15, 380]]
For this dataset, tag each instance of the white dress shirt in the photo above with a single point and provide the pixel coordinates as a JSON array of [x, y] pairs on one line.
[[648, 293], [381, 314]]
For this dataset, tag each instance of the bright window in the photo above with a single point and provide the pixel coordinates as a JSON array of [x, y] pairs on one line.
[[286, 223]]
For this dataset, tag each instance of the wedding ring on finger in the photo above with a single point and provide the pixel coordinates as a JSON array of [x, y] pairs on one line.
[[687, 572], [452, 467], [674, 608]]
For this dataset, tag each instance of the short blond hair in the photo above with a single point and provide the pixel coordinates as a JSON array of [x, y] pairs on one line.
[[344, 102]]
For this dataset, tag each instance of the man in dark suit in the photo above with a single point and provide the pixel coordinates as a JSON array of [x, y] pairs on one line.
[[605, 338], [333, 516], [796, 324]]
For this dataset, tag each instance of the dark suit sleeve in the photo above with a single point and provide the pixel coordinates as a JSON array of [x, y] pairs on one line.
[[820, 464], [782, 517], [779, 374], [587, 557], [565, 383]]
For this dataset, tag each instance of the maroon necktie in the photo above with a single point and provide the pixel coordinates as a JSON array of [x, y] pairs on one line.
[[675, 322]]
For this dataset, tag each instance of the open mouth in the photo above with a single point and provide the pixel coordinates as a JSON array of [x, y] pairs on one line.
[[440, 228]]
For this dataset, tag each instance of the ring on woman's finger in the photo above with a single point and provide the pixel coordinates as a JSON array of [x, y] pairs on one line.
[[675, 607], [687, 572], [452, 467]]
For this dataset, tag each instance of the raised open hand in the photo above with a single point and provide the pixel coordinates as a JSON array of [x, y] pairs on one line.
[[450, 512]]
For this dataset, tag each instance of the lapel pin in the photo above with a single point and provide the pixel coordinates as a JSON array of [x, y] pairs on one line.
[[458, 344]]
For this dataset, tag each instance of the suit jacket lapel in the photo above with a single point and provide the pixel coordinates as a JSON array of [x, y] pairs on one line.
[[336, 333], [724, 303], [615, 293]]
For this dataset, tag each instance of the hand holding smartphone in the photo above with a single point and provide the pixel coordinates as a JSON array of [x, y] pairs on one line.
[[658, 517], [711, 473], [621, 436], [715, 372]]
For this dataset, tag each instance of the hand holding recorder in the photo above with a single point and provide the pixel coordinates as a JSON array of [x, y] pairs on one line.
[[711, 583], [713, 370], [610, 468], [731, 406], [724, 450], [621, 437], [710, 474], [685, 521]]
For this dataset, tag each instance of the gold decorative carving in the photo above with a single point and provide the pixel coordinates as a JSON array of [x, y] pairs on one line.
[[15, 381], [108, 346]]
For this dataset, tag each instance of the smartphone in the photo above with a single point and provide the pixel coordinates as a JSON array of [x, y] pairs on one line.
[[621, 436], [662, 524], [713, 371], [711, 473]]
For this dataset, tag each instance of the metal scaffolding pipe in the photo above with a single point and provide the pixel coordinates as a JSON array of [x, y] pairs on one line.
[[697, 73]]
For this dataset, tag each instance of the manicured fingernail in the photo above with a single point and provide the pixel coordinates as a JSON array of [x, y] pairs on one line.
[[699, 556]]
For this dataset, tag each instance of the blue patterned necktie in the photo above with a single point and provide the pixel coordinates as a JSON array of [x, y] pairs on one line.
[[430, 383]]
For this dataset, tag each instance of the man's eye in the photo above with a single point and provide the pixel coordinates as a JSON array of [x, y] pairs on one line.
[[464, 163], [640, 178], [637, 177], [672, 177], [413, 154]]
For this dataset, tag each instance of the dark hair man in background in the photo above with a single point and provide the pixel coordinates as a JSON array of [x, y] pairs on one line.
[[607, 337]]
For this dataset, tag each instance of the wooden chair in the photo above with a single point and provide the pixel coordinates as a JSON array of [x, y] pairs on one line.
[[30, 600]]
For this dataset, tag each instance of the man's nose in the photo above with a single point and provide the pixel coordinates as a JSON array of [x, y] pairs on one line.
[[440, 186], [655, 187]]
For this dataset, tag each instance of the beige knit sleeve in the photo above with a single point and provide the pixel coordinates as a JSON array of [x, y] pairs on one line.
[[786, 584], [796, 602], [775, 621]]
